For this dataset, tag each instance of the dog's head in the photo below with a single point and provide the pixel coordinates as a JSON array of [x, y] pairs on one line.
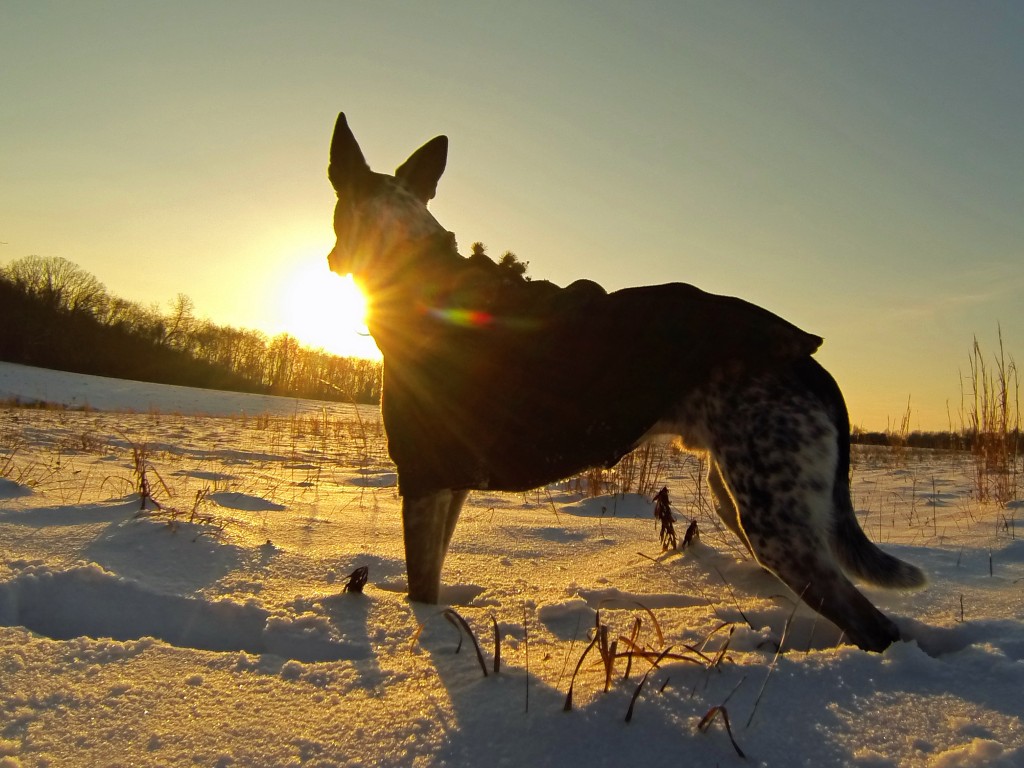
[[381, 220]]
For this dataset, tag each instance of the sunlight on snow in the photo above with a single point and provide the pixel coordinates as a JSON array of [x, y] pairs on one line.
[[226, 606]]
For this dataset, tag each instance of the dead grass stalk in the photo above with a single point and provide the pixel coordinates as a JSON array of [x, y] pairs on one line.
[[990, 414]]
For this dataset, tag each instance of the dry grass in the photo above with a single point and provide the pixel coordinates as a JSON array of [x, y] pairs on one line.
[[454, 618], [898, 436], [990, 414], [641, 471], [82, 455]]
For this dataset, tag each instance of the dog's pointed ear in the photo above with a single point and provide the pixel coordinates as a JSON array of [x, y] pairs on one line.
[[348, 168], [421, 172]]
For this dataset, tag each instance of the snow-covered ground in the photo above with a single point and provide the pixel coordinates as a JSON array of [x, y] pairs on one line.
[[215, 631]]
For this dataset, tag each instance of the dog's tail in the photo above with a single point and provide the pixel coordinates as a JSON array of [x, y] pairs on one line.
[[857, 554]]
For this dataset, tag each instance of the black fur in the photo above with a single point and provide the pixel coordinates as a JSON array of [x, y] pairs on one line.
[[532, 391]]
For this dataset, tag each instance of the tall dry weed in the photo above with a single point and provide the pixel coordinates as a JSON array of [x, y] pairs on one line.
[[898, 437], [990, 414], [639, 471]]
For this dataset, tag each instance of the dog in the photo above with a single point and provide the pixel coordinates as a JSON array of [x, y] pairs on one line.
[[492, 381]]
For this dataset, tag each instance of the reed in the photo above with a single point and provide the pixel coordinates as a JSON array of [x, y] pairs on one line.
[[639, 471], [990, 415]]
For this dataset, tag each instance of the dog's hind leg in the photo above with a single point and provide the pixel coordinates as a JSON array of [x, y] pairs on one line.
[[805, 564], [783, 489], [724, 503], [428, 523]]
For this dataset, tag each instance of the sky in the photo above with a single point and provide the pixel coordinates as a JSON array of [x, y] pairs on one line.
[[857, 168]]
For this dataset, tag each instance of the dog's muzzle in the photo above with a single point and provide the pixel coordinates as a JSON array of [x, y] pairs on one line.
[[339, 262]]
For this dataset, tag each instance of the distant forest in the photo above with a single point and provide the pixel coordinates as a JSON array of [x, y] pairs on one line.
[[54, 314]]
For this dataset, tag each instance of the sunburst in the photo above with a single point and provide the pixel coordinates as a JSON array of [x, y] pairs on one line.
[[322, 309]]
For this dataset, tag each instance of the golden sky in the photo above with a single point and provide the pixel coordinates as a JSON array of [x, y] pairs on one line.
[[855, 167]]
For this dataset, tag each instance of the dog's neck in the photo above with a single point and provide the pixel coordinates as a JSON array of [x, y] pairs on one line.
[[426, 290], [407, 283]]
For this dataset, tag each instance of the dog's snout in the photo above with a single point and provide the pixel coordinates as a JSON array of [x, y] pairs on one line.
[[335, 262]]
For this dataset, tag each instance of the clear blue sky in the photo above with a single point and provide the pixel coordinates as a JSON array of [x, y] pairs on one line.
[[856, 167]]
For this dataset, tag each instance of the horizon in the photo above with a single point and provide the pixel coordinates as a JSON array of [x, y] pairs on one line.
[[857, 170]]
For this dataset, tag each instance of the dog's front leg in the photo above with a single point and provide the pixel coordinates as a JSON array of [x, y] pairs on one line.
[[428, 523]]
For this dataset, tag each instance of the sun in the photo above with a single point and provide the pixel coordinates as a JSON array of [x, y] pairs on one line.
[[322, 309]]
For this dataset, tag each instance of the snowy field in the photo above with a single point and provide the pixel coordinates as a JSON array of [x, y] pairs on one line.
[[215, 630]]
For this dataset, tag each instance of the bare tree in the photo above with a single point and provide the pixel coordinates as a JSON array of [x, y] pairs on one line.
[[181, 323], [62, 284]]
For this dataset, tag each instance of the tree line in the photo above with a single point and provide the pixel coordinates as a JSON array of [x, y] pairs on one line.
[[54, 314]]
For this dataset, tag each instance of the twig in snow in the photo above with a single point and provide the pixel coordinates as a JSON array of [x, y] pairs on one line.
[[456, 621], [636, 693], [497, 646], [567, 707], [526, 643], [663, 514], [692, 534], [709, 718], [778, 652], [356, 580]]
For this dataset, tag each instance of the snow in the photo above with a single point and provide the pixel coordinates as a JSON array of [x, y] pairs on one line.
[[215, 629]]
